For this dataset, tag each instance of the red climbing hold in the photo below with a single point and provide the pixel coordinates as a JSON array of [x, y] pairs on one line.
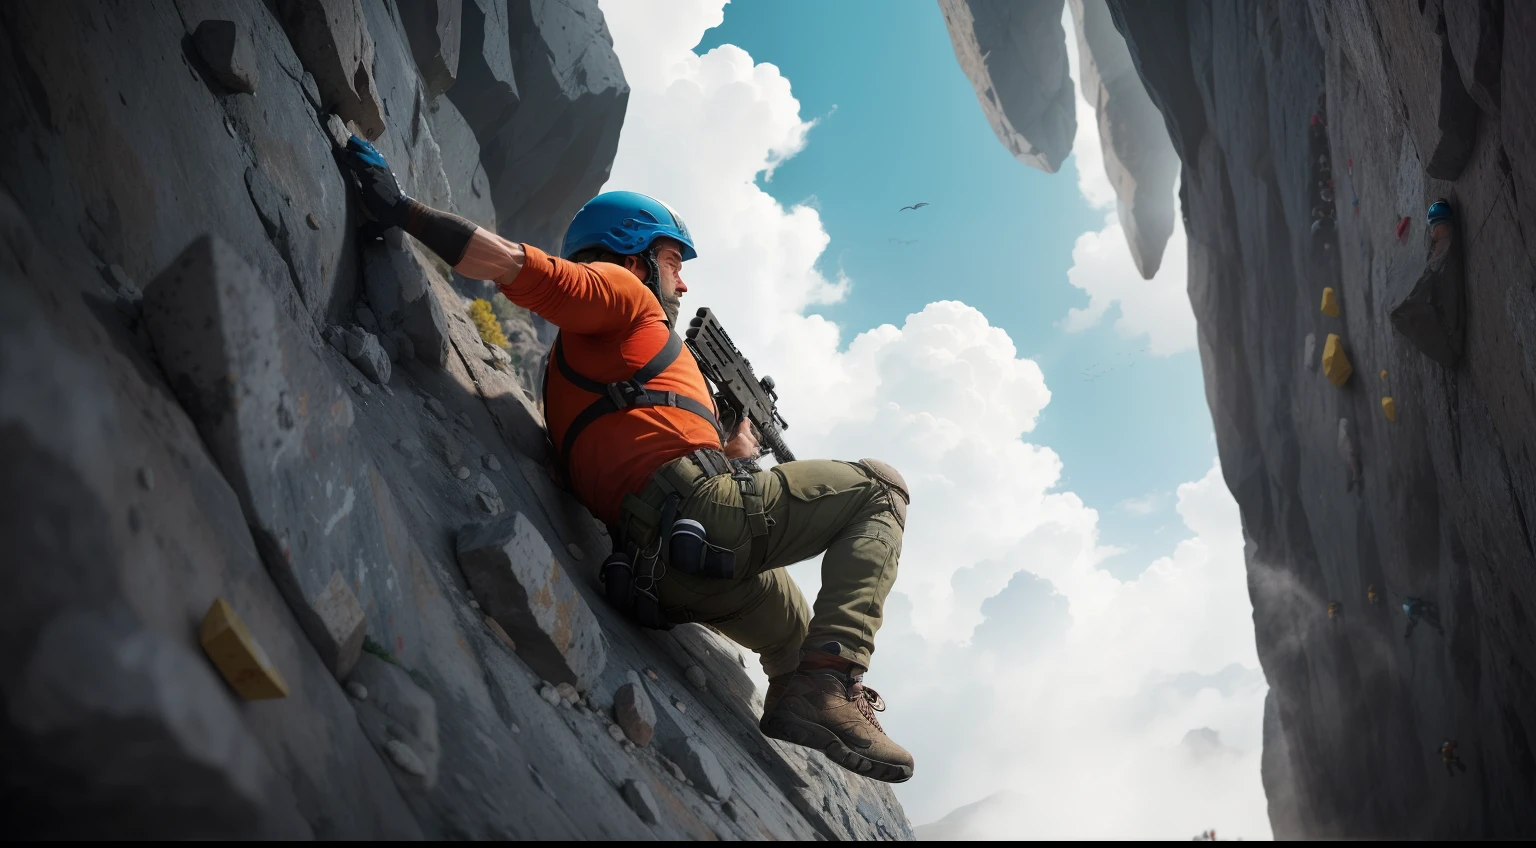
[[1402, 230]]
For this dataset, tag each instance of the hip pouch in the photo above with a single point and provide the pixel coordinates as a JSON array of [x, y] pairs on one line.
[[689, 551]]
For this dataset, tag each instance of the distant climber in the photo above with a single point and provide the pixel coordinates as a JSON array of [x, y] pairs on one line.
[[913, 207], [1430, 316], [1372, 595], [651, 446], [1451, 757], [1333, 609], [1417, 608]]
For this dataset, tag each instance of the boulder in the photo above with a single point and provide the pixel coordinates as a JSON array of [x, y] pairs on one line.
[[331, 38], [703, 768], [634, 712], [519, 582], [641, 800], [433, 27], [227, 50], [1015, 54]]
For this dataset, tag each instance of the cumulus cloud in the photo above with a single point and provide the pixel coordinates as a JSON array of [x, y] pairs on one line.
[[1101, 260], [1011, 660]]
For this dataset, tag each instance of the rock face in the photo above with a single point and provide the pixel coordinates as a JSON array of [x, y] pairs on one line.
[[1015, 54], [1138, 157], [1356, 712], [211, 431]]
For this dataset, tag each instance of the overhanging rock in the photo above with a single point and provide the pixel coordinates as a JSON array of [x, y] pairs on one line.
[[517, 580]]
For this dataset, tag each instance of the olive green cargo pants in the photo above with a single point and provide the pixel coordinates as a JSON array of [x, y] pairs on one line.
[[854, 513]]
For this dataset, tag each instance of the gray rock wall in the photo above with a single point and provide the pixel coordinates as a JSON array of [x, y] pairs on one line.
[[211, 387], [1356, 711]]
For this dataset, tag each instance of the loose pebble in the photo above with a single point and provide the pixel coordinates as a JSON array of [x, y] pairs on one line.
[[462, 473], [357, 690], [313, 223]]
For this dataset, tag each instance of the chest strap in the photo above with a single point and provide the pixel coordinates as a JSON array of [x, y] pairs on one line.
[[629, 394]]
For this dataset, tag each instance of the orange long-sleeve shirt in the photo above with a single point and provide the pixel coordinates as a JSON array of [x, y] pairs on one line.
[[610, 326]]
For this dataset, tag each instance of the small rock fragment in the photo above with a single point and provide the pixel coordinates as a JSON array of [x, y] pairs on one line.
[[490, 461], [314, 223], [548, 693], [576, 552], [567, 693], [405, 758], [651, 674], [634, 713], [500, 634], [640, 799], [357, 690], [701, 765], [680, 706], [474, 604], [147, 478], [462, 473], [674, 769], [463, 419], [436, 407], [696, 676], [616, 733], [628, 746], [238, 656], [487, 504], [227, 50], [362, 389], [229, 127]]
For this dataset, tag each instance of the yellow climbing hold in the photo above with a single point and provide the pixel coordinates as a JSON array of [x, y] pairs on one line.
[[242, 662], [1335, 363], [1330, 303], [1389, 408]]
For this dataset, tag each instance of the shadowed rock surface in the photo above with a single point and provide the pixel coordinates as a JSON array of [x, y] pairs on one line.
[[1356, 712], [212, 387]]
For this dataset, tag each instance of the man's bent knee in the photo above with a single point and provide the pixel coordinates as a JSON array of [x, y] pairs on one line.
[[893, 483]]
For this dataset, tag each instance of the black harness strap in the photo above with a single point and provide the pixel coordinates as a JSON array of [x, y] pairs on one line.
[[631, 393]]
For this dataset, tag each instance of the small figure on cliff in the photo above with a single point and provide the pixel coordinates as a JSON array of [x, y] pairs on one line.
[[642, 448], [1451, 757], [1333, 610], [1417, 608], [1372, 595]]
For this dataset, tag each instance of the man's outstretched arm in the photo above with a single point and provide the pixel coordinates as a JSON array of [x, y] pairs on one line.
[[570, 296]]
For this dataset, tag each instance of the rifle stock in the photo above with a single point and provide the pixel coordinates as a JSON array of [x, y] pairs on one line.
[[736, 387]]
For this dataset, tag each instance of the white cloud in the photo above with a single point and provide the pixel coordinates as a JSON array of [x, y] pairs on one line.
[[1101, 260], [945, 397]]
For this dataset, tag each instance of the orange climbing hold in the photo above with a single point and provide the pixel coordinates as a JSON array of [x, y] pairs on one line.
[[1390, 408], [1335, 362], [1330, 303]]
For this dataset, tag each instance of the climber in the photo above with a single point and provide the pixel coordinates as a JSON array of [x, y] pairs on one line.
[[1371, 595], [1415, 609], [651, 447], [1451, 757], [1333, 610]]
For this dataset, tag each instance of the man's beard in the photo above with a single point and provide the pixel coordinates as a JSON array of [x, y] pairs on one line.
[[671, 306]]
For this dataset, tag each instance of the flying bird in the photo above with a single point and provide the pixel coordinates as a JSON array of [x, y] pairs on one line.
[[913, 206]]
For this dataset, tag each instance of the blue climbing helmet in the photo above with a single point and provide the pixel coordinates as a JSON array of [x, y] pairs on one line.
[[625, 222], [1438, 211]]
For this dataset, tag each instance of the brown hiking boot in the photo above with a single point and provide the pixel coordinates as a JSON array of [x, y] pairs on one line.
[[834, 712], [775, 691]]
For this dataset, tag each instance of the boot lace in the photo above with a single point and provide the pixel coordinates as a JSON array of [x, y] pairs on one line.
[[868, 701]]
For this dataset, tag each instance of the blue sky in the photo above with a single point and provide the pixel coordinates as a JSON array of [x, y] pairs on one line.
[[898, 123]]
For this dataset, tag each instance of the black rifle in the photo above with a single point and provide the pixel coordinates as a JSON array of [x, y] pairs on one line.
[[738, 392]]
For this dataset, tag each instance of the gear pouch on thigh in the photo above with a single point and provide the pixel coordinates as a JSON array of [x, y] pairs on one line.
[[690, 552]]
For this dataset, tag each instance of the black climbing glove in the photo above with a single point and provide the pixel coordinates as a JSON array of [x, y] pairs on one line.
[[376, 185]]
